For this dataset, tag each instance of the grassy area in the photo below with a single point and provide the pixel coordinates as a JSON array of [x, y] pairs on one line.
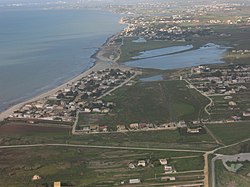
[[155, 102], [226, 178], [239, 148], [153, 139], [188, 164], [232, 132], [81, 167], [221, 109]]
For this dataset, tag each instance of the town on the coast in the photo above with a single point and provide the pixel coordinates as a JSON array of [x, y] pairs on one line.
[[83, 95]]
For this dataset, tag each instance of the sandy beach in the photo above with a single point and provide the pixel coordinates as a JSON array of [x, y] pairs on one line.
[[101, 63]]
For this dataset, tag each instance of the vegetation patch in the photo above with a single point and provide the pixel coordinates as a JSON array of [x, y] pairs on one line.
[[156, 102], [85, 167], [226, 178], [231, 132]]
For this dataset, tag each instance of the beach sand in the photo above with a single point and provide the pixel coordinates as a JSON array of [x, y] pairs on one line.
[[101, 63]]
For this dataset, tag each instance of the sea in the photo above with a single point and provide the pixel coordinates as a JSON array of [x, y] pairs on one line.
[[42, 49]]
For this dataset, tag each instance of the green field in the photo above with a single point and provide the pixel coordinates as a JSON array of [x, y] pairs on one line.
[[221, 109], [226, 178], [188, 164], [155, 102], [232, 132], [84, 167], [147, 139]]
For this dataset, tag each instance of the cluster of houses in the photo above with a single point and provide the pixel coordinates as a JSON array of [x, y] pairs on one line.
[[146, 163], [93, 128], [222, 81], [143, 163], [241, 51], [82, 95], [98, 106], [180, 27], [162, 28], [194, 13]]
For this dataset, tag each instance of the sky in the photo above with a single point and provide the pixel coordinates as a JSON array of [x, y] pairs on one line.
[[44, 2]]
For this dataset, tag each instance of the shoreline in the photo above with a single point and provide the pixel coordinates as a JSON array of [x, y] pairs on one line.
[[100, 63]]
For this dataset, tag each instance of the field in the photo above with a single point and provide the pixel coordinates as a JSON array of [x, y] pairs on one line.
[[231, 132], [221, 109], [146, 139], [155, 102], [89, 167], [226, 178]]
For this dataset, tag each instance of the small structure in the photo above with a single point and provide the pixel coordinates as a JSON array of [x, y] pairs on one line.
[[134, 126], [168, 169], [57, 184], [181, 124], [141, 163], [228, 97], [86, 110], [246, 114], [163, 161], [96, 110], [172, 178], [142, 125], [236, 118], [134, 181], [86, 128], [121, 127], [169, 126], [232, 103], [94, 128], [36, 177], [103, 128], [167, 178], [193, 130], [131, 165]]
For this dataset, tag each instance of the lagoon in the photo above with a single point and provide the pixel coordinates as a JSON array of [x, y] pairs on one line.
[[207, 54], [162, 51]]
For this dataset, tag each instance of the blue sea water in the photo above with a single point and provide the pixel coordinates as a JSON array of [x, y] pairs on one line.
[[42, 49]]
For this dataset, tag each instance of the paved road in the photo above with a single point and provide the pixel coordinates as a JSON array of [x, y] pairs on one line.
[[232, 157]]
